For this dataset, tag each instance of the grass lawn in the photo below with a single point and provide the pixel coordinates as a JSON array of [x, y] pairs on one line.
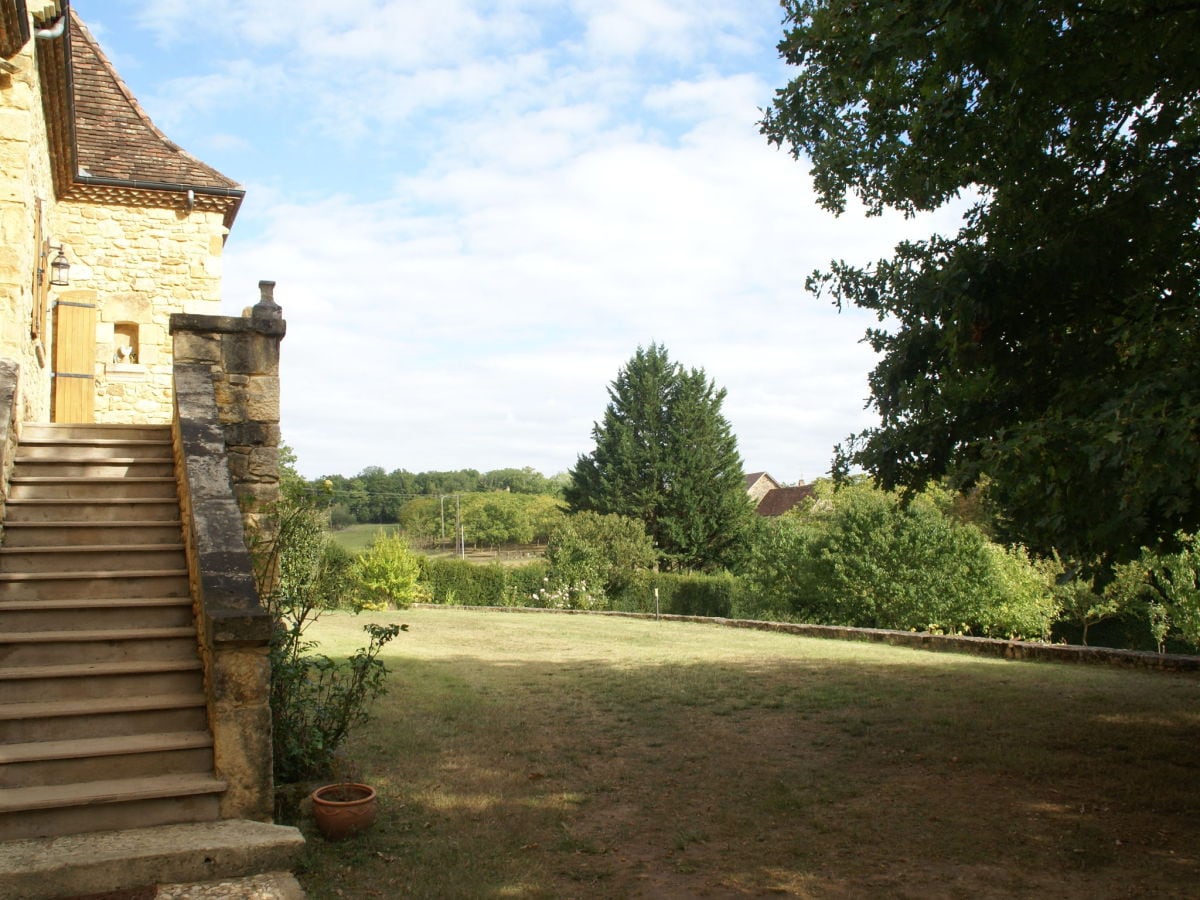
[[556, 756], [357, 538]]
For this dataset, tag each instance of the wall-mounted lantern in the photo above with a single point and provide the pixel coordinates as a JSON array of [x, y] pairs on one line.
[[60, 269]]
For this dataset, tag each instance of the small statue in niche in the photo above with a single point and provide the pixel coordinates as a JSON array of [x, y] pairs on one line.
[[125, 354]]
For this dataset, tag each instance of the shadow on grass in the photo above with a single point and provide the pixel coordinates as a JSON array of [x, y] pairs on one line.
[[861, 771]]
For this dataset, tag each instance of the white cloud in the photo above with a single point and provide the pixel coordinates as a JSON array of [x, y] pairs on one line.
[[476, 210], [510, 298]]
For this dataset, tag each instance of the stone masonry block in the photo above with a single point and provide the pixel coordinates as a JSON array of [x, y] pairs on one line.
[[218, 523], [250, 354], [252, 434], [264, 463], [241, 744], [241, 676], [208, 477], [197, 348], [262, 401], [239, 464]]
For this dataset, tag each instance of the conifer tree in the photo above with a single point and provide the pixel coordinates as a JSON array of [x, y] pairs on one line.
[[666, 455]]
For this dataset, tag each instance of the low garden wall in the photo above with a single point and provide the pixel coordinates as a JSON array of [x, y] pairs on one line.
[[945, 643]]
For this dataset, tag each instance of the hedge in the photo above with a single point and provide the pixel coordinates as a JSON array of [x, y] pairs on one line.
[[462, 583], [678, 595], [458, 582]]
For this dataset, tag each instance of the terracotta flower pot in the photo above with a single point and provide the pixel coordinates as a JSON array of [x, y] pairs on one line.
[[343, 810]]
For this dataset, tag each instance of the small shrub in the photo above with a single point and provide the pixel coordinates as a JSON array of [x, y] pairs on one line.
[[315, 701], [1020, 602], [522, 582], [387, 573], [568, 595], [1166, 586]]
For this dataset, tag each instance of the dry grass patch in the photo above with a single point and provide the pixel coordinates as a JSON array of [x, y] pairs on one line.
[[582, 756]]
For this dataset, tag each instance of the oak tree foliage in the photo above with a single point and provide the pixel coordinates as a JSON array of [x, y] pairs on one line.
[[1053, 343]]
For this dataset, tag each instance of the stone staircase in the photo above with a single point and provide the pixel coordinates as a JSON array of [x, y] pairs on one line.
[[103, 721]]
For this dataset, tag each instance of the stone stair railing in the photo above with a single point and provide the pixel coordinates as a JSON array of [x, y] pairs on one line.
[[226, 439]]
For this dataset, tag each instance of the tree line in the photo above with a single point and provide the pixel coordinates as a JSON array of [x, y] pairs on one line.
[[376, 496]]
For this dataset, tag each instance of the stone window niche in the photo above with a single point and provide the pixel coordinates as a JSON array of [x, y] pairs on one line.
[[126, 352]]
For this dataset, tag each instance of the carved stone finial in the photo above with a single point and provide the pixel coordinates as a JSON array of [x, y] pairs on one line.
[[267, 308]]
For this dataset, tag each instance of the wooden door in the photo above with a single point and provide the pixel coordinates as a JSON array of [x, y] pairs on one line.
[[74, 358]]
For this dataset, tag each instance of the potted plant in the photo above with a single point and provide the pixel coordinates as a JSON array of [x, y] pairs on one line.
[[344, 809]]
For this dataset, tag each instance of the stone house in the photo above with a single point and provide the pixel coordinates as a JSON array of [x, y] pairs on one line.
[[770, 498], [758, 484], [139, 434], [87, 179]]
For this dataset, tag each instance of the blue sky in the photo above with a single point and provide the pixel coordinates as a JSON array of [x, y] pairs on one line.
[[477, 210]]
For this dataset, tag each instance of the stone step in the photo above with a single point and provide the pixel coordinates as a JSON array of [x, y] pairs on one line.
[[92, 431], [101, 681], [113, 467], [89, 864], [33, 648], [157, 509], [52, 586], [95, 558], [85, 533], [109, 805], [30, 450], [105, 758], [49, 720], [91, 489], [95, 613]]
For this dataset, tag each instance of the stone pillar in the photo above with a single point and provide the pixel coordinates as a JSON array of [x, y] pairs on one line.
[[226, 434]]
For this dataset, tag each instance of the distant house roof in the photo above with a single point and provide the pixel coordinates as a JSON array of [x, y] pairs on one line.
[[780, 500], [103, 143]]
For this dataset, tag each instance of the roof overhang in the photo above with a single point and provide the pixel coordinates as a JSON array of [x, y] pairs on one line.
[[71, 181]]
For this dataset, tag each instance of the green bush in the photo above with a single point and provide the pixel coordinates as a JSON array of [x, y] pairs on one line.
[[387, 573], [863, 558], [315, 701], [1165, 586], [605, 551], [521, 583], [1018, 600]]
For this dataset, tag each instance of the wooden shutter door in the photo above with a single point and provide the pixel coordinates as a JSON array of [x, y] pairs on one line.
[[74, 359]]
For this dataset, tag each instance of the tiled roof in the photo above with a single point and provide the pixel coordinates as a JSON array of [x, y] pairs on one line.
[[752, 477], [780, 500], [114, 138]]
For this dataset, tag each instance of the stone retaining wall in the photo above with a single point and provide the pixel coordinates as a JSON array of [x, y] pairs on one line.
[[944, 643]]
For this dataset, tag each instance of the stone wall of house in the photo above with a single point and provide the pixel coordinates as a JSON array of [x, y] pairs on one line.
[[145, 264], [24, 179]]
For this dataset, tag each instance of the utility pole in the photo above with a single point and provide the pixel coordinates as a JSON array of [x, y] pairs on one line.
[[462, 539]]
